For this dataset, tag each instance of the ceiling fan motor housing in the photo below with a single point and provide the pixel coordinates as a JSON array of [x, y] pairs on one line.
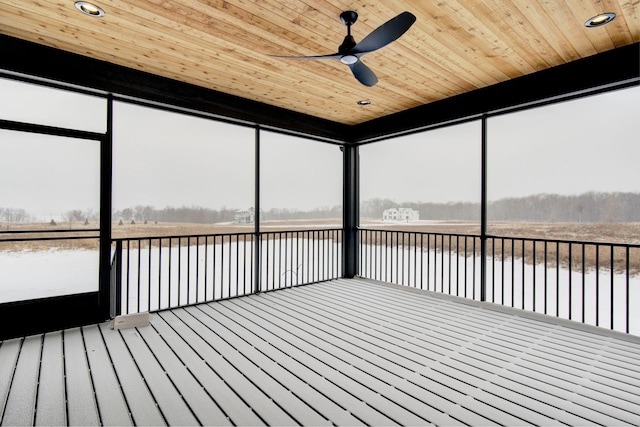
[[349, 17]]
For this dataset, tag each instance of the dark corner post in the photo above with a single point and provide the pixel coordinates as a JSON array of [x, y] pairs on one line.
[[105, 215], [483, 214], [116, 281], [257, 243], [350, 210]]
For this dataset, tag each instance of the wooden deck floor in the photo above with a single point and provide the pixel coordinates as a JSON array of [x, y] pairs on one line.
[[344, 352]]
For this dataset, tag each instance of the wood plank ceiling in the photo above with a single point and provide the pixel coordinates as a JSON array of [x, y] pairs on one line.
[[453, 48]]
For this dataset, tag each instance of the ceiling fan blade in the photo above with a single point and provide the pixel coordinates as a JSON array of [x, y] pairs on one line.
[[332, 56], [385, 34], [363, 73]]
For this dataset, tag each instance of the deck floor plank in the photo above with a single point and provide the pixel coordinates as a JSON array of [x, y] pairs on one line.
[[343, 352], [423, 384], [200, 337], [203, 407], [434, 379], [82, 407], [166, 395], [144, 410], [9, 353], [322, 376], [51, 405], [21, 401], [613, 396], [113, 408], [327, 408], [262, 371], [319, 358], [219, 390], [399, 391]]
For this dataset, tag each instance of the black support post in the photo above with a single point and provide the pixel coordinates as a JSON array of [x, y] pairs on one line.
[[351, 210], [257, 244], [483, 214], [106, 161]]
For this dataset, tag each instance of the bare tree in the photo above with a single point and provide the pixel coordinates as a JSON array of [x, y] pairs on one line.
[[14, 215]]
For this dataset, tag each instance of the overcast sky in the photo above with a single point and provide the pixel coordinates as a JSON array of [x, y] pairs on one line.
[[167, 159], [591, 144]]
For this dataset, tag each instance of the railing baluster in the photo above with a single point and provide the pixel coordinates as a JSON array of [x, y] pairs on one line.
[[583, 283], [449, 252], [237, 266], [570, 280], [627, 254], [493, 269], [189, 270], [442, 259], [213, 272], [502, 271], [546, 267], [558, 279], [159, 273], [169, 284], [179, 269], [534, 274], [128, 273], [139, 268], [611, 290], [230, 270], [598, 284], [149, 278], [513, 272], [474, 269], [523, 274]]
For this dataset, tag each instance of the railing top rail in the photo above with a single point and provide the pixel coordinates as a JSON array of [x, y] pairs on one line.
[[249, 233], [45, 239], [300, 230], [431, 233], [180, 236], [69, 230], [573, 242], [526, 239]]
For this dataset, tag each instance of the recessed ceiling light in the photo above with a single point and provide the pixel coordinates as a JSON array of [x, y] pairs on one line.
[[364, 102], [598, 20], [90, 9]]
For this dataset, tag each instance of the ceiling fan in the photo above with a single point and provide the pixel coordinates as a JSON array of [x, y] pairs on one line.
[[349, 52]]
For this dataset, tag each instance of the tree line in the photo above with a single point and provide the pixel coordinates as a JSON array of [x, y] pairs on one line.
[[587, 207], [201, 215]]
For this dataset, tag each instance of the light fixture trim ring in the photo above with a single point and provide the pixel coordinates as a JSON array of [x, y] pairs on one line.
[[600, 20], [90, 9]]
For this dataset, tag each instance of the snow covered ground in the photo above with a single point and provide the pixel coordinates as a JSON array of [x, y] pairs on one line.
[[27, 275], [558, 292], [160, 278]]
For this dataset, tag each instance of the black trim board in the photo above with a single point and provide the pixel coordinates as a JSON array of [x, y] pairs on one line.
[[33, 59], [617, 65], [29, 317]]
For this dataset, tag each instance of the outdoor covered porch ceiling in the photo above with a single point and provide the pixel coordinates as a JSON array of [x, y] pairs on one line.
[[216, 55]]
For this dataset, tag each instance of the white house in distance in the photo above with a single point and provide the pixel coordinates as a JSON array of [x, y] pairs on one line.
[[246, 216], [400, 214]]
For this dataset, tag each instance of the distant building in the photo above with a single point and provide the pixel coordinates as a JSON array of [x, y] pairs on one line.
[[246, 216], [400, 214]]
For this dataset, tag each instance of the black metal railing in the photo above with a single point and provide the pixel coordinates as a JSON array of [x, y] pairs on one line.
[[156, 273], [292, 258], [596, 283]]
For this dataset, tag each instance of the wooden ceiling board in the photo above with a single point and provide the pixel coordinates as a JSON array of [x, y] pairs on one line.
[[454, 47]]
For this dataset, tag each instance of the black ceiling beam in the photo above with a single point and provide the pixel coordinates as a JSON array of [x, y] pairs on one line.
[[33, 59], [601, 70], [617, 65]]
